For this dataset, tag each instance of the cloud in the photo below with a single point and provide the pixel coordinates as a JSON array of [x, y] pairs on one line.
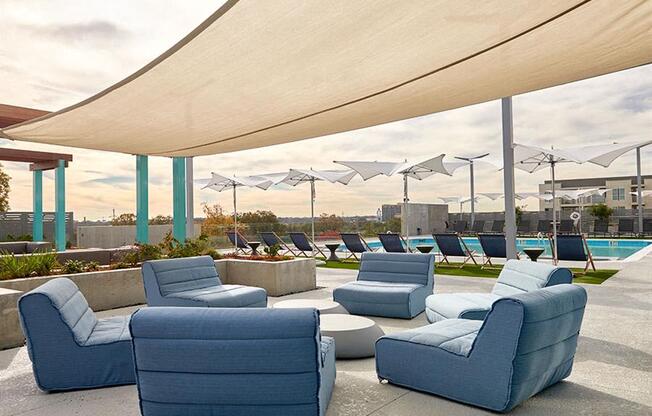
[[110, 180], [95, 31]]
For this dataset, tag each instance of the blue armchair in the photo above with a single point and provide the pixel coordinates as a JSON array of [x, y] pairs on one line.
[[526, 343], [206, 361], [68, 346], [394, 285], [515, 277], [193, 281]]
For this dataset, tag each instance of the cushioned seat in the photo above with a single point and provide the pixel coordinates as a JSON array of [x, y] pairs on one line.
[[203, 361], [526, 343], [515, 277], [193, 281], [69, 347], [389, 284]]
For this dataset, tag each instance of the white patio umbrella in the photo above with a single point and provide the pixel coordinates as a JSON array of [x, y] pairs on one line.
[[470, 160], [457, 200], [221, 183], [298, 176], [419, 171]]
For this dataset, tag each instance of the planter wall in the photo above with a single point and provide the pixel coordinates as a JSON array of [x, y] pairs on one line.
[[113, 289]]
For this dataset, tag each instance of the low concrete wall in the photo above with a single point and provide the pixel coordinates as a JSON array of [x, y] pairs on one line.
[[10, 333], [278, 278], [111, 236]]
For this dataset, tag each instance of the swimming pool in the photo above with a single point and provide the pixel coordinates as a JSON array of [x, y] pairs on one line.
[[600, 248]]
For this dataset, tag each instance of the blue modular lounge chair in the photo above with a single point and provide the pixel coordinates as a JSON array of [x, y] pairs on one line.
[[193, 281], [393, 243], [264, 362], [241, 244], [515, 277], [493, 246], [625, 226], [394, 285], [304, 245], [573, 247], [270, 238], [526, 343], [498, 226], [451, 244], [355, 244], [69, 347]]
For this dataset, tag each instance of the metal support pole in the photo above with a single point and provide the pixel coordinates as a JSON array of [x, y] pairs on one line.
[[37, 208], [508, 177], [639, 191], [190, 199], [179, 198], [472, 193], [142, 199], [554, 212], [235, 218], [60, 206], [312, 213], [405, 215]]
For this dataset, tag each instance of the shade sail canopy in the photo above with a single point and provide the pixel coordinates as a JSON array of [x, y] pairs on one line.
[[419, 170], [297, 176], [261, 73], [220, 183]]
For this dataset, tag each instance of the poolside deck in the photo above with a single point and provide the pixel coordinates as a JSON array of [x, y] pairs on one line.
[[612, 374]]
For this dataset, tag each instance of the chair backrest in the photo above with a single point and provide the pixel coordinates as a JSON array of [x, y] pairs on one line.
[[566, 226], [397, 268], [543, 226], [497, 226], [600, 226], [242, 242], [529, 341], [449, 244], [571, 247], [626, 225], [55, 310], [391, 242], [300, 241], [459, 226], [226, 361], [169, 276], [353, 242], [647, 225], [478, 226], [493, 245], [523, 227], [270, 239], [525, 276]]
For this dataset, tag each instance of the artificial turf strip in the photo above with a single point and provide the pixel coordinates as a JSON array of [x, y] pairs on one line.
[[591, 277]]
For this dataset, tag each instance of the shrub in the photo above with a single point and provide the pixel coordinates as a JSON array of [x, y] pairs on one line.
[[79, 266], [36, 264], [272, 251], [601, 211]]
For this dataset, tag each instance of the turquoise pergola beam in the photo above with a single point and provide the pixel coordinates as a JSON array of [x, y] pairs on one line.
[[179, 198], [142, 200], [37, 206], [60, 206]]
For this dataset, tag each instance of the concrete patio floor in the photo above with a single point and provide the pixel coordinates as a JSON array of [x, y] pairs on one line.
[[612, 373]]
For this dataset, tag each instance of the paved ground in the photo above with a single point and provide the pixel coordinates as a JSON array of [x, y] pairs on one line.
[[612, 373]]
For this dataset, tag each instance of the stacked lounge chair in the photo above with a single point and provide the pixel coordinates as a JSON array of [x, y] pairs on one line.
[[573, 247], [451, 244], [355, 244], [270, 238], [393, 243], [304, 245]]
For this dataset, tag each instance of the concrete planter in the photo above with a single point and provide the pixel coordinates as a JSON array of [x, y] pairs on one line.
[[278, 278]]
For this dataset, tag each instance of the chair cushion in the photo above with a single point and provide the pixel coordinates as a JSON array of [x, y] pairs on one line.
[[397, 268], [376, 292], [110, 330], [524, 276], [459, 305], [184, 274], [453, 335], [226, 296]]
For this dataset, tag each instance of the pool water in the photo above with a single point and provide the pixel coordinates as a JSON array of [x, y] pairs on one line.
[[600, 248]]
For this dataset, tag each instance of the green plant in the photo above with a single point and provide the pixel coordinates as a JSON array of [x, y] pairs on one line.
[[519, 214], [36, 264], [73, 266], [272, 251], [4, 190], [143, 252], [601, 211], [19, 237]]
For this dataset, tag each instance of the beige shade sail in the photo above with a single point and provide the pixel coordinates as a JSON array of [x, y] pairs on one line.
[[258, 73]]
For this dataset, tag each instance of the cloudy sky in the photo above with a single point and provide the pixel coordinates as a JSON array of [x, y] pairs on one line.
[[55, 53]]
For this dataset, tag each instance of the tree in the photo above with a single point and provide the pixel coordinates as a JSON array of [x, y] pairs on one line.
[[4, 190], [160, 220], [216, 220], [124, 219], [260, 220], [327, 222], [601, 211]]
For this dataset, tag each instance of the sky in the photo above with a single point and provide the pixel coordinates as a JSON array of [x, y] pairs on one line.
[[55, 53]]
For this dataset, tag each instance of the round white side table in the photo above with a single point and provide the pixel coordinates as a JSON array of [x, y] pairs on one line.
[[324, 306], [355, 336]]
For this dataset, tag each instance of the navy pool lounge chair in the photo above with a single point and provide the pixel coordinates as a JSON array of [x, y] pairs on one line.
[[241, 244], [393, 243], [304, 245], [498, 226], [566, 226], [600, 227], [459, 226], [355, 244], [451, 244], [478, 226], [626, 226], [270, 238], [543, 226], [523, 228], [647, 226], [573, 247], [493, 246]]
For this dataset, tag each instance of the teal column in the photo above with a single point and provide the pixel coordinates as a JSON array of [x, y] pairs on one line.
[[37, 206], [179, 198], [142, 200], [60, 206]]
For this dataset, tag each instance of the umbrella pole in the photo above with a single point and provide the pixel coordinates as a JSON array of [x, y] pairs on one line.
[[312, 213], [639, 192], [554, 214], [472, 194], [235, 221], [405, 209]]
